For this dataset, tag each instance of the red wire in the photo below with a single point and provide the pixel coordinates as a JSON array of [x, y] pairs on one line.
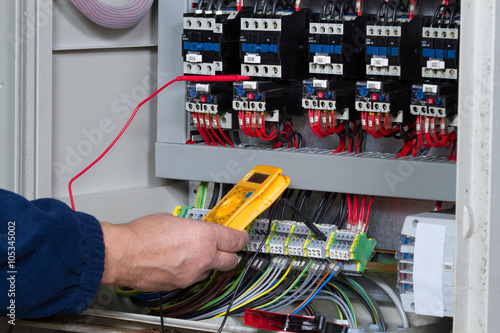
[[355, 210], [368, 214], [217, 137], [359, 9], [213, 78], [243, 126], [200, 130], [207, 129], [222, 132], [239, 5], [412, 6], [349, 211]]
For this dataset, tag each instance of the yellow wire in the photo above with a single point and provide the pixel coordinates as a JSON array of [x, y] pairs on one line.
[[198, 196], [373, 306], [260, 295], [286, 291], [348, 303], [253, 285]]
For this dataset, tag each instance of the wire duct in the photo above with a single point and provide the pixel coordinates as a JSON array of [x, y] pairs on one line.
[[114, 17]]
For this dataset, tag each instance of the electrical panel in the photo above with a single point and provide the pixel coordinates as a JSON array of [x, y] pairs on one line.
[[358, 98]]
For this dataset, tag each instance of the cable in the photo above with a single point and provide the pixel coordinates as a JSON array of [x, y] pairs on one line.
[[271, 214], [215, 196], [397, 301], [323, 281], [209, 78]]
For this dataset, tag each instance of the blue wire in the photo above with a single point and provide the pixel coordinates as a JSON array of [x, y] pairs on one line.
[[318, 290]]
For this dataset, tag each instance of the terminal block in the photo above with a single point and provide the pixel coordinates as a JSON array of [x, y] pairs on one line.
[[355, 248], [210, 43], [434, 100], [295, 239], [337, 47], [392, 49], [329, 95], [384, 97], [440, 50], [278, 100], [211, 99], [273, 46]]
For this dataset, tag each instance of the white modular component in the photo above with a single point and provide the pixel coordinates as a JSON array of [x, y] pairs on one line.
[[426, 262]]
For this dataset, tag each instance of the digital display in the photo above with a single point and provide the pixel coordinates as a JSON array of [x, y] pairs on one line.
[[257, 178]]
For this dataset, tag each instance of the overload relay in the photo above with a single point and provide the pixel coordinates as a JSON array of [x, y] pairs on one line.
[[392, 49], [272, 46], [426, 260], [268, 96], [383, 97], [336, 47], [211, 98], [330, 95], [434, 100], [210, 43], [440, 51]]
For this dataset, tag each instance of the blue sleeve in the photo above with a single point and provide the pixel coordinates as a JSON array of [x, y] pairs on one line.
[[58, 261]]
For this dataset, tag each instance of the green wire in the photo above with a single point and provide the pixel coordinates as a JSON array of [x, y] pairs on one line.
[[204, 197], [127, 293], [371, 303], [348, 301], [341, 317], [286, 291], [233, 286]]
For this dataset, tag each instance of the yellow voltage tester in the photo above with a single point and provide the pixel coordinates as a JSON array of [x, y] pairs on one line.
[[250, 197]]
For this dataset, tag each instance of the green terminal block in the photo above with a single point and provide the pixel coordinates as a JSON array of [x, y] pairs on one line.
[[353, 247], [181, 211]]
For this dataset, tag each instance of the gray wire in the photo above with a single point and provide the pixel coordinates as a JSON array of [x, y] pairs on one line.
[[397, 301], [270, 274], [307, 285]]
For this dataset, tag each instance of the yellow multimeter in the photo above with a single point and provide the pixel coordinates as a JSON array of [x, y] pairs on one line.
[[250, 197]]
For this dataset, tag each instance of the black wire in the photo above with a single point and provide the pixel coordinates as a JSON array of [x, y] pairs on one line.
[[200, 4], [275, 4], [236, 138], [325, 8], [379, 10], [215, 196], [290, 137], [400, 5], [256, 6], [322, 217], [235, 292], [210, 5], [225, 189], [348, 4], [319, 208], [297, 200], [436, 13], [305, 201], [264, 7], [303, 218], [334, 9], [392, 5], [160, 305]]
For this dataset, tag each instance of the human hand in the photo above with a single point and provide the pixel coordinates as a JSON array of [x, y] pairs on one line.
[[165, 252]]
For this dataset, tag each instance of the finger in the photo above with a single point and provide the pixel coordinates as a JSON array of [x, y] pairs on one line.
[[224, 261], [230, 240]]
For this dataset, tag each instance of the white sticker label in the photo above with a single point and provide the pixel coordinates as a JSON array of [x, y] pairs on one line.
[[373, 85], [320, 84], [202, 87], [435, 64], [250, 85], [322, 60], [380, 62], [193, 57], [252, 59], [430, 88]]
